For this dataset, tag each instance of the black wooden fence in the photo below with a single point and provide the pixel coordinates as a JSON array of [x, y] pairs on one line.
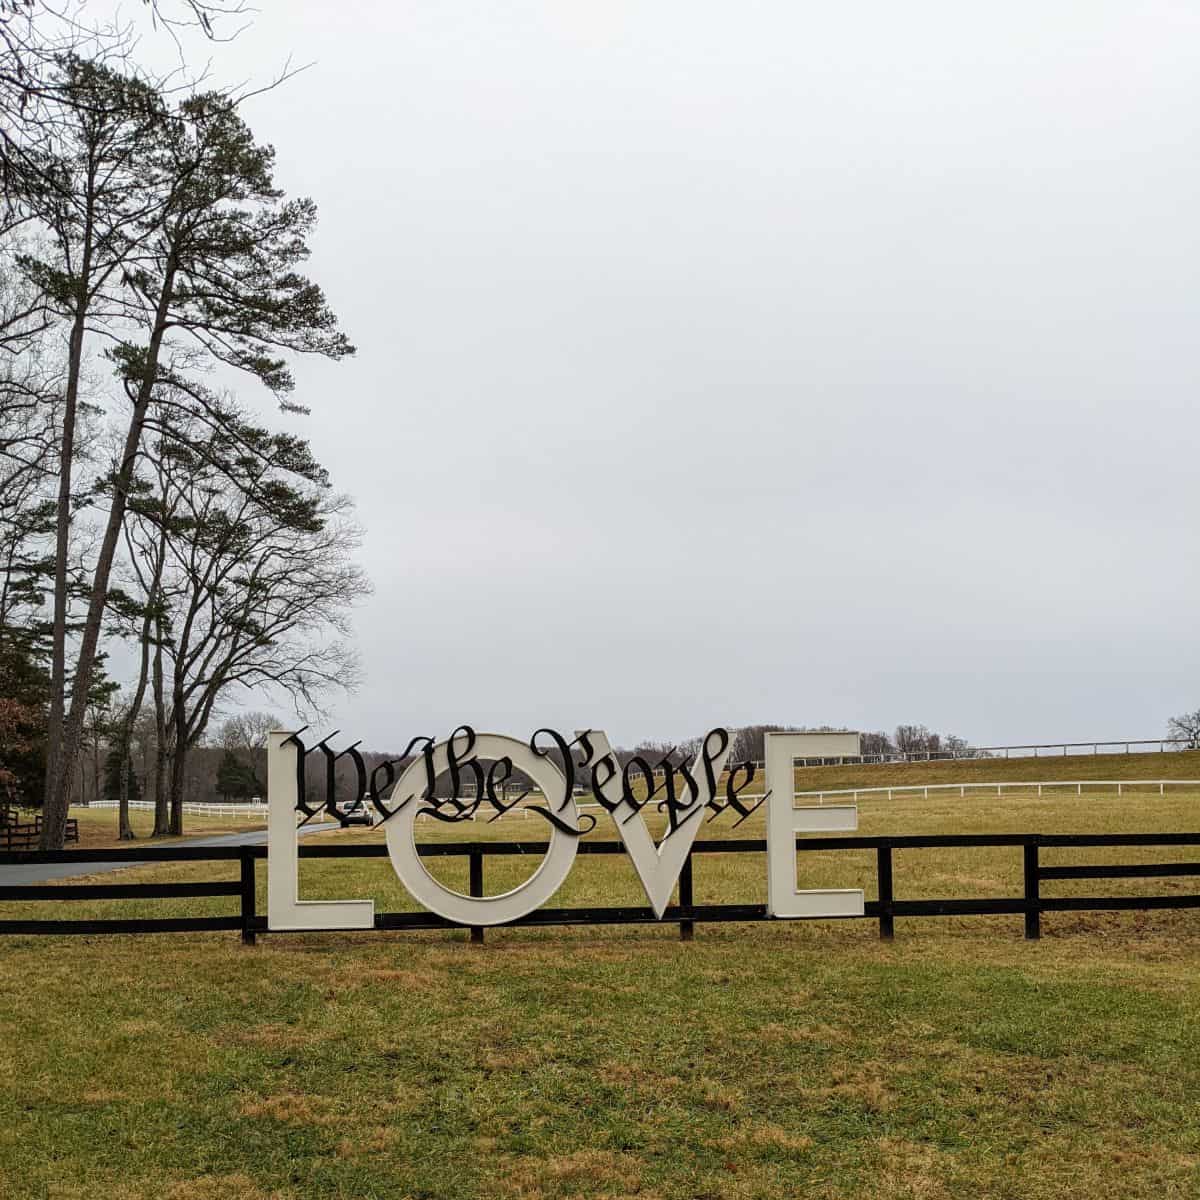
[[1030, 904]]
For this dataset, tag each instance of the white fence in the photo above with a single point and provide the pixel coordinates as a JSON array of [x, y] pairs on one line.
[[1079, 786], [977, 753], [1025, 750], [249, 811], [924, 790]]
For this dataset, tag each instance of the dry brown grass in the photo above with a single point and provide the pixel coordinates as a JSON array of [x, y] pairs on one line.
[[1176, 764]]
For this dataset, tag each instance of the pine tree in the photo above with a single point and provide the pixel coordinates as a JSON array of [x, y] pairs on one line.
[[234, 778], [215, 279]]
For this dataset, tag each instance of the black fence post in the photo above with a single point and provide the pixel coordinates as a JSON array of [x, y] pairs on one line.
[[687, 928], [1033, 895], [475, 859], [887, 916], [248, 897]]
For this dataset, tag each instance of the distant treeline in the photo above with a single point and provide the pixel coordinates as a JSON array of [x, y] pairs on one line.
[[234, 766]]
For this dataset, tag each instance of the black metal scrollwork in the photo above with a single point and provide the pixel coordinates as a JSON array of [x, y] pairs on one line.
[[426, 744], [672, 782]]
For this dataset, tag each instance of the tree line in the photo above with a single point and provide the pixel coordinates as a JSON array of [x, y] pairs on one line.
[[749, 741], [747, 744], [151, 271], [230, 762]]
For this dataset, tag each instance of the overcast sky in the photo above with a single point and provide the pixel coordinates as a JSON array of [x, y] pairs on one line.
[[725, 363]]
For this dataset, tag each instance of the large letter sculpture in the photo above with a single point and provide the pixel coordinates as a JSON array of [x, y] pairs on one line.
[[481, 910], [285, 910], [658, 866], [687, 793], [784, 821]]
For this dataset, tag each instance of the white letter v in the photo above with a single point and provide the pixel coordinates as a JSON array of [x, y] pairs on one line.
[[658, 866]]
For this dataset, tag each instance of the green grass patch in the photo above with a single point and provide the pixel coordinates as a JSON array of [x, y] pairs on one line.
[[771, 1060]]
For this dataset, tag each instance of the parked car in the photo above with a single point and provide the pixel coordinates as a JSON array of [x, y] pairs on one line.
[[358, 812]]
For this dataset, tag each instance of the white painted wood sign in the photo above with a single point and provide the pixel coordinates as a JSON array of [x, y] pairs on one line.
[[683, 790]]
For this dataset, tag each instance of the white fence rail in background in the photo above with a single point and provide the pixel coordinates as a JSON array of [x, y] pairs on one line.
[[1024, 750], [998, 789], [976, 753], [1079, 786], [196, 810]]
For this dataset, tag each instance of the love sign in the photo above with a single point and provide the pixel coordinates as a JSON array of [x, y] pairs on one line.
[[471, 774]]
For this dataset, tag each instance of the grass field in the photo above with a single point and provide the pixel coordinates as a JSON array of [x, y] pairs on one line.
[[98, 826], [1177, 764], [769, 1060]]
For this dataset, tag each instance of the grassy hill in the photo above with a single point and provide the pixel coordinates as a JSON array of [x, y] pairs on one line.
[[1179, 764]]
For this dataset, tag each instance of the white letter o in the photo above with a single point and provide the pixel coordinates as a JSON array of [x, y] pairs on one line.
[[482, 910]]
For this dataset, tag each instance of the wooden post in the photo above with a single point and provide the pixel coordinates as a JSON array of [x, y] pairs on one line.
[[1033, 908], [248, 897], [883, 872], [687, 929], [476, 889]]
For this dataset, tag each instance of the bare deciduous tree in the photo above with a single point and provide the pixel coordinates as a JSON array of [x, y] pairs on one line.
[[36, 34], [1187, 727], [917, 739], [253, 588], [248, 731], [877, 744]]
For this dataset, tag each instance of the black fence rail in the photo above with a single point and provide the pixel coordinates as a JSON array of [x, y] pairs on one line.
[[16, 834], [1030, 905]]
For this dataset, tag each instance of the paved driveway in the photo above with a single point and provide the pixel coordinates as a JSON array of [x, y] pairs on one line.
[[43, 872]]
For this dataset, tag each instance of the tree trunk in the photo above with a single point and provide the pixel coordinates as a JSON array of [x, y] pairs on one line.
[[55, 823], [96, 789], [183, 739], [162, 825], [124, 827], [59, 766], [178, 776]]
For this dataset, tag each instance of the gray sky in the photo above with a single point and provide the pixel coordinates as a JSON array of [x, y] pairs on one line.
[[760, 362]]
